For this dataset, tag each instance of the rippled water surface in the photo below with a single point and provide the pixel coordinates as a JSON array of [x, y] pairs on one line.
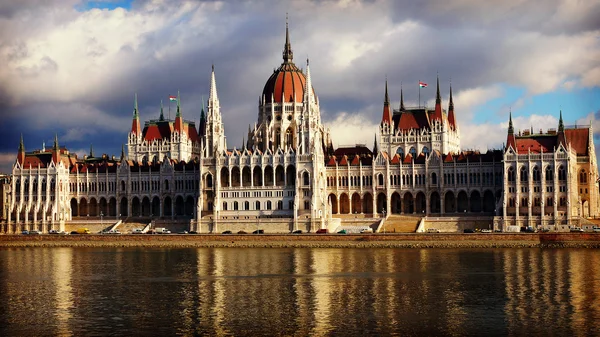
[[254, 292]]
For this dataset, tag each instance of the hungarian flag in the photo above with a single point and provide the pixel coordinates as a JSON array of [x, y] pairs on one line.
[[422, 85], [172, 98]]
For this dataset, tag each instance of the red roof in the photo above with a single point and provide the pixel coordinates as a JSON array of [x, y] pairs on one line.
[[344, 160], [579, 139], [355, 161], [331, 161], [412, 119], [289, 81], [535, 143], [396, 159]]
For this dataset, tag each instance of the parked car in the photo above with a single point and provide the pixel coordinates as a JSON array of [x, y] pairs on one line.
[[53, 231], [227, 232], [137, 231], [576, 229], [343, 231], [486, 230], [242, 232], [367, 230], [74, 232], [259, 231], [528, 229], [113, 231], [193, 232], [298, 231], [34, 232], [596, 229], [468, 230], [322, 231], [25, 232], [433, 230], [182, 232]]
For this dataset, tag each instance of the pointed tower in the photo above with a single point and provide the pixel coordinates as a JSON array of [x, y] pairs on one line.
[[451, 118], [122, 152], [375, 148], [55, 150], [561, 131], [162, 115], [437, 114], [386, 118], [21, 153], [288, 55], [401, 99], [510, 140], [135, 125], [91, 151], [178, 118], [215, 135], [202, 124]]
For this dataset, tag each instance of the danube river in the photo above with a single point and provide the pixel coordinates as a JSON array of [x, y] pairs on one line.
[[302, 291]]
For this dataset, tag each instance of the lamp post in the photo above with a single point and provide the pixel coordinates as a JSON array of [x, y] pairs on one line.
[[383, 212], [101, 219]]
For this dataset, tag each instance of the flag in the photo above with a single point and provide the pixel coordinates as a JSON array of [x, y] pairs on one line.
[[172, 98], [422, 85]]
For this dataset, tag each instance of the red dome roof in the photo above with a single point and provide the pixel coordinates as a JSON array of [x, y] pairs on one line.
[[287, 81]]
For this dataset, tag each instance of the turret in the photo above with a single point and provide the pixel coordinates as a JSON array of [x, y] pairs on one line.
[[288, 55], [401, 99], [451, 118], [561, 131], [178, 118], [55, 150], [21, 153], [437, 114], [135, 125], [510, 140], [386, 118], [162, 115]]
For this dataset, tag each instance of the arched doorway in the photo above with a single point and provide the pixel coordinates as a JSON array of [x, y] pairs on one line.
[[435, 203], [421, 203], [409, 206], [103, 207], [179, 206], [368, 203], [268, 176], [74, 207], [344, 204], [235, 177], [449, 202], [396, 203], [488, 201], [93, 207], [135, 206], [257, 176], [155, 206], [279, 176], [145, 206], [463, 202], [224, 177], [475, 202], [356, 204], [83, 207], [112, 207], [246, 176], [123, 207], [381, 203], [189, 206], [168, 207], [333, 202], [290, 175]]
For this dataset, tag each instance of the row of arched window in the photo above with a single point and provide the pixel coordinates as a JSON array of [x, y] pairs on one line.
[[351, 181], [257, 205], [536, 174], [34, 185]]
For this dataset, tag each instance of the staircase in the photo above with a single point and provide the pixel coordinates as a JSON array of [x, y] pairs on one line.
[[400, 224]]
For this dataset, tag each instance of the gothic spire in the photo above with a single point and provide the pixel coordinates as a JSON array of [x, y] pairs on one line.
[[135, 124], [178, 105], [135, 107], [308, 90], [375, 149], [451, 118], [386, 101], [561, 126], [438, 97], [122, 151], [401, 99], [55, 146], [21, 145], [162, 115], [511, 129], [91, 151], [212, 96], [288, 55]]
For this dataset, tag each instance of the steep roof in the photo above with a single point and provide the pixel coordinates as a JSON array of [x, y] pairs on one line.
[[579, 140], [536, 143]]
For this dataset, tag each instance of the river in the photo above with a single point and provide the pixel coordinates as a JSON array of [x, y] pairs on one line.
[[298, 292]]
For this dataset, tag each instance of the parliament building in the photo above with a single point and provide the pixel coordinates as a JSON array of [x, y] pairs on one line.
[[286, 175]]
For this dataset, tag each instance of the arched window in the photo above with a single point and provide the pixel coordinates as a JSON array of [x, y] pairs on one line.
[[225, 205], [305, 178], [434, 178], [549, 174], [536, 174], [257, 205], [306, 205], [582, 177], [235, 206], [425, 150], [246, 205], [279, 205], [209, 180], [166, 185], [400, 152], [413, 151], [380, 179], [269, 205], [523, 174], [562, 174]]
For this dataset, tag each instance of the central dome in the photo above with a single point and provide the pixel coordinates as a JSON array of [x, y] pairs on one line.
[[287, 82]]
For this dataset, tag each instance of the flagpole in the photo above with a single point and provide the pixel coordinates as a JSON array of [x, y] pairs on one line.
[[419, 94]]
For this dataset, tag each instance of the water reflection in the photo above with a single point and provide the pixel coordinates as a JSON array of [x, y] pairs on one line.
[[250, 292]]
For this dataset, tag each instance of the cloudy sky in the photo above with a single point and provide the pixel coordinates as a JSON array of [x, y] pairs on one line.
[[72, 67]]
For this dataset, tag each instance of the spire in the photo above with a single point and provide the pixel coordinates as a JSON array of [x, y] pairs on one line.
[[55, 150], [243, 143], [375, 149], [212, 96], [308, 89], [438, 97], [122, 151], [91, 151], [451, 118], [288, 55], [21, 145], [387, 112], [55, 146], [401, 98], [21, 153], [511, 129], [561, 126], [135, 124], [162, 115], [178, 105], [202, 125], [511, 141]]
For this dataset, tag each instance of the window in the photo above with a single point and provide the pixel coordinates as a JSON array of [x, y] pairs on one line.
[[562, 174], [279, 205], [400, 152], [413, 152], [380, 179], [549, 174], [257, 205], [305, 178], [536, 174], [209, 181], [523, 174], [269, 205], [425, 150], [235, 206], [582, 177], [306, 205], [224, 206], [511, 174], [246, 205]]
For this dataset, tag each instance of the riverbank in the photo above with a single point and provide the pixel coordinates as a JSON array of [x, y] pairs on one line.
[[412, 240]]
